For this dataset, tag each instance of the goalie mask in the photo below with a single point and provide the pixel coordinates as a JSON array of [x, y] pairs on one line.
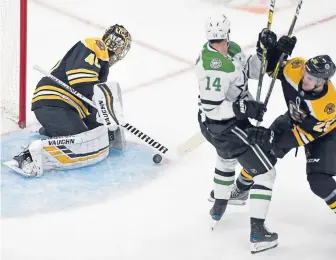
[[118, 42]]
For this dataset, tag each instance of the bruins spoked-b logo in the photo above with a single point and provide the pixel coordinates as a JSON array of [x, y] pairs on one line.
[[100, 45], [297, 64], [330, 108], [215, 63]]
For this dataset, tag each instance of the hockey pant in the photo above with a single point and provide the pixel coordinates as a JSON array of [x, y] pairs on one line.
[[232, 147]]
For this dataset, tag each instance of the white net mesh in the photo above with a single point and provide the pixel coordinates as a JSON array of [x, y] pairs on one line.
[[10, 58]]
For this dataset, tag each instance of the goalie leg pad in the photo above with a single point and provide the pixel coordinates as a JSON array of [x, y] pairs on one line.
[[67, 152]]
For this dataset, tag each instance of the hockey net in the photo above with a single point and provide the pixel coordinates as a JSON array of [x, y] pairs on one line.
[[13, 42]]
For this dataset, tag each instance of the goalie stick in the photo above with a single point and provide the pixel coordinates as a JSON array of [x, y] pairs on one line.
[[191, 144]]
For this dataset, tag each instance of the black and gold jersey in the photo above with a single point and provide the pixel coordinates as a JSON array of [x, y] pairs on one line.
[[318, 109], [84, 65]]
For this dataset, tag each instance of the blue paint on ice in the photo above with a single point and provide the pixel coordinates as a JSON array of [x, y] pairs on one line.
[[63, 190]]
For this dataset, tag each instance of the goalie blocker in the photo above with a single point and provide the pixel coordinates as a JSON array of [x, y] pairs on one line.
[[76, 150]]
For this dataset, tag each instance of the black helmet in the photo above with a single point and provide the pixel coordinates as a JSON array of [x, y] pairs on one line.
[[321, 67]]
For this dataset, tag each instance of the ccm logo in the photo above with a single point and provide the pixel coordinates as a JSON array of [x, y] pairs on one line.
[[313, 160]]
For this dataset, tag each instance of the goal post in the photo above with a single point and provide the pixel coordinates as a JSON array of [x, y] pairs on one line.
[[23, 62], [13, 57]]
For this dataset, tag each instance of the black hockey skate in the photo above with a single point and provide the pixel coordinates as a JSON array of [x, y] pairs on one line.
[[23, 157], [238, 196], [23, 164], [261, 239], [218, 209]]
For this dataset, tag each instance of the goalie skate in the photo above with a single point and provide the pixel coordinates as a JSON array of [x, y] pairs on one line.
[[13, 164], [22, 164]]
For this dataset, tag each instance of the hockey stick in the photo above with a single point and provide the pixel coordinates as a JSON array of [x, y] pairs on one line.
[[191, 144], [158, 147], [282, 57], [263, 59], [197, 139]]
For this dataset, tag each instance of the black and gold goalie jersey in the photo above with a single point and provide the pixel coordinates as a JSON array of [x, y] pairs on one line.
[[317, 110], [84, 65]]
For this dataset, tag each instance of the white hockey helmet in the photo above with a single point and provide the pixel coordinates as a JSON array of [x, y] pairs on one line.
[[217, 27]]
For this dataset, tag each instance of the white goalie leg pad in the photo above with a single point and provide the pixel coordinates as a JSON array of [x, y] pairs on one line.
[[261, 194], [224, 177], [70, 152], [108, 99]]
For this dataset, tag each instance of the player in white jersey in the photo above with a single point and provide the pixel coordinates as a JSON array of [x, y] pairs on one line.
[[225, 104]]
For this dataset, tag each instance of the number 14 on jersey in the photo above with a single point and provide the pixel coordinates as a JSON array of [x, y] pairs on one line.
[[213, 83]]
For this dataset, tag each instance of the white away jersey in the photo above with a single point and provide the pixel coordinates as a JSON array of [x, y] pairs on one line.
[[223, 79]]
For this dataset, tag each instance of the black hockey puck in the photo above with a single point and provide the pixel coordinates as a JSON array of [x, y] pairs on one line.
[[157, 158]]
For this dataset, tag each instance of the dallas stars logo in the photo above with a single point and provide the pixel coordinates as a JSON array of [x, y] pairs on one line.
[[215, 63]]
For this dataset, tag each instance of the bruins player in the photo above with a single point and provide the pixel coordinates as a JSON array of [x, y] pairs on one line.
[[310, 120], [78, 137], [84, 65]]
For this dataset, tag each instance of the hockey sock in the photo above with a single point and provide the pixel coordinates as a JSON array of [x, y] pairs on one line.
[[223, 179], [244, 180], [324, 186], [261, 194]]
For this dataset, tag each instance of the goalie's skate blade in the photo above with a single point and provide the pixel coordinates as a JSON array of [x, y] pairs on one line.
[[12, 164], [263, 246]]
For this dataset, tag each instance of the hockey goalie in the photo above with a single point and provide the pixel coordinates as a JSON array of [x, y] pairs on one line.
[[79, 150]]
